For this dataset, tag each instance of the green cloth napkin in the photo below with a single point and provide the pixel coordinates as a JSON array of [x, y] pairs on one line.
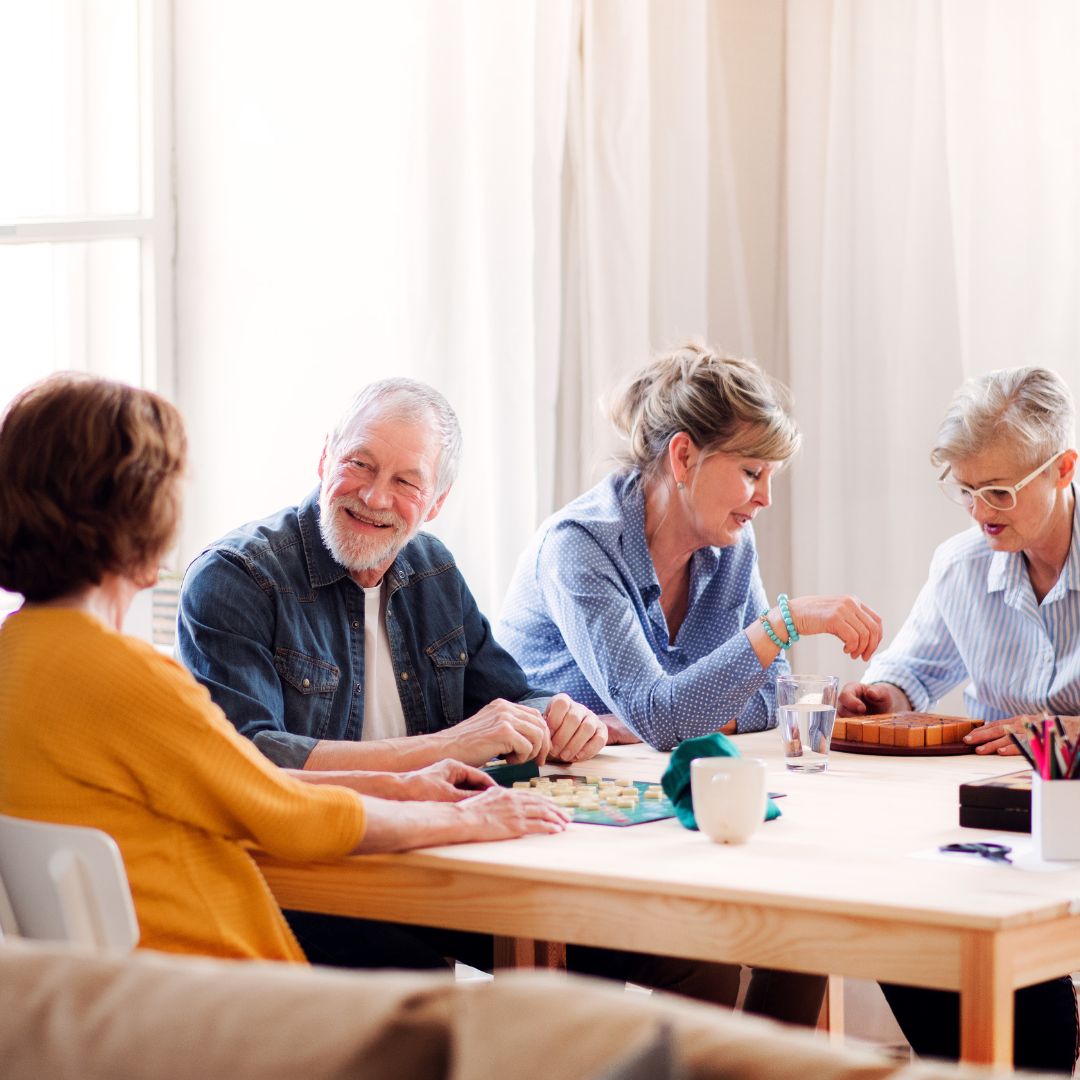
[[676, 778]]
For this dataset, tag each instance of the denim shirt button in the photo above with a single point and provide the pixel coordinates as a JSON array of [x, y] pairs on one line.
[[306, 683], [462, 656], [404, 675], [356, 624]]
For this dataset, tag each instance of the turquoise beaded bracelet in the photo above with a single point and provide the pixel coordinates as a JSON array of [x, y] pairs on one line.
[[789, 622], [773, 636]]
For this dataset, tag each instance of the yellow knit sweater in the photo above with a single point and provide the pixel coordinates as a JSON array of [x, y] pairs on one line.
[[99, 729]]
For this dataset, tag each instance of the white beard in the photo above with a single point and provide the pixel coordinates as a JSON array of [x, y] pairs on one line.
[[354, 551]]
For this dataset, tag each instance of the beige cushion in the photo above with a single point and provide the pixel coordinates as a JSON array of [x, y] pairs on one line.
[[70, 1016]]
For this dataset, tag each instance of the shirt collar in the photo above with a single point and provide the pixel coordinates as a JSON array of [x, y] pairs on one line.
[[323, 569], [635, 548]]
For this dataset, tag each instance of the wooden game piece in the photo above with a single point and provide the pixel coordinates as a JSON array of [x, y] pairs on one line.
[[839, 730], [625, 801], [854, 728], [654, 794], [887, 733], [522, 784]]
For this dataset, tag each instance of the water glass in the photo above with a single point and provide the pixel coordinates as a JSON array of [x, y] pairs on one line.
[[806, 705]]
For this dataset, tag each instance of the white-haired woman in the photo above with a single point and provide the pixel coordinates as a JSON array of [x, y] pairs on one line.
[[1001, 612], [642, 598]]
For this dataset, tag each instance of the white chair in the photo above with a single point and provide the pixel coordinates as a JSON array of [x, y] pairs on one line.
[[64, 883]]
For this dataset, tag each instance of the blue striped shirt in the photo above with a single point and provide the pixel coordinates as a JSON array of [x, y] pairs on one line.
[[583, 615], [977, 619]]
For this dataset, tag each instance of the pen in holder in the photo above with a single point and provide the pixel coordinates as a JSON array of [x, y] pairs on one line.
[[1055, 797], [1055, 818]]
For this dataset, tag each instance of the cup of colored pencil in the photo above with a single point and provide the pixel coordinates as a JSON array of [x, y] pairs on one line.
[[1055, 806]]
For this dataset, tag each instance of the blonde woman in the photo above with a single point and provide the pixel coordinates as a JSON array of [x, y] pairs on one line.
[[642, 598]]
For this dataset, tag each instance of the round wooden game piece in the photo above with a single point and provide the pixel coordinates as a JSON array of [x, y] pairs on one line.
[[522, 784], [592, 780], [625, 801], [564, 800], [650, 794]]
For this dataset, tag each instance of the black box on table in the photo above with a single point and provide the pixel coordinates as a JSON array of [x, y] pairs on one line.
[[997, 802]]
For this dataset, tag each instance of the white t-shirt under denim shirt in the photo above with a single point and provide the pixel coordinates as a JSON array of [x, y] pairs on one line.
[[383, 716]]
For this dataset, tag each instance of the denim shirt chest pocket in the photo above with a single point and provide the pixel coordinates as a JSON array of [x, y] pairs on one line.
[[449, 658], [308, 687]]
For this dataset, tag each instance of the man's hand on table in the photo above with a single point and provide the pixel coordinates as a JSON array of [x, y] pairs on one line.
[[871, 699], [577, 734], [500, 729]]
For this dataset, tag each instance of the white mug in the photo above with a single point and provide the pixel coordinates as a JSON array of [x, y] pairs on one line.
[[729, 796]]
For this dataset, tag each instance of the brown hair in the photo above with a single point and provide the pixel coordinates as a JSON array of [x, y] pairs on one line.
[[89, 483], [723, 404]]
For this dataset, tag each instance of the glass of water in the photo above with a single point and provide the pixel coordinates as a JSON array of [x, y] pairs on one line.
[[807, 708]]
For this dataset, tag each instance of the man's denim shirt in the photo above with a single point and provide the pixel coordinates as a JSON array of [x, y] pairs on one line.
[[273, 626]]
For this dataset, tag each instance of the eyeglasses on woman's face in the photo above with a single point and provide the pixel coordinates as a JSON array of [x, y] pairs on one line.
[[996, 496]]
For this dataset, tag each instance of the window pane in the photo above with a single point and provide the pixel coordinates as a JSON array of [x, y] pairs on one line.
[[69, 101], [69, 306]]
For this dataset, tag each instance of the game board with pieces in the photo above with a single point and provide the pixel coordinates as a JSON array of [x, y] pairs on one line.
[[597, 800]]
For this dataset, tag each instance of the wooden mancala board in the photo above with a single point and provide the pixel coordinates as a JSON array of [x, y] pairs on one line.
[[909, 733]]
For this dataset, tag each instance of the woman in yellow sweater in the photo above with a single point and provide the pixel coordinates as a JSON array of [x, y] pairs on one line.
[[99, 729]]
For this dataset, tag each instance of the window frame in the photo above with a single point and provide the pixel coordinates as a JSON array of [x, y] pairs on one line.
[[154, 227]]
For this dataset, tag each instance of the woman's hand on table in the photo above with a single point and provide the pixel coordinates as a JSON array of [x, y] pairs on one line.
[[871, 699], [618, 733], [503, 813], [445, 781], [497, 813], [857, 625], [577, 734], [993, 738]]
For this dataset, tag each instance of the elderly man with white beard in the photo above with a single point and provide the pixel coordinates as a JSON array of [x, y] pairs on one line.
[[336, 635]]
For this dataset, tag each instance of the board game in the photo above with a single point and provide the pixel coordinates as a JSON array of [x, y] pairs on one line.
[[599, 800], [905, 733]]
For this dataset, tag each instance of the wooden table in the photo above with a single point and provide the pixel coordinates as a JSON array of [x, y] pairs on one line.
[[847, 882]]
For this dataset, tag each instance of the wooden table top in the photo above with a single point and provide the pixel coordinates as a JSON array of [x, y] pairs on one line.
[[859, 839]]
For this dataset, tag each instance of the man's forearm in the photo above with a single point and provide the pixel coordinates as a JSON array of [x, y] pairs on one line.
[[385, 755]]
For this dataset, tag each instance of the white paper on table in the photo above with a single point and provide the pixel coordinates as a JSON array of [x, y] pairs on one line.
[[1023, 854]]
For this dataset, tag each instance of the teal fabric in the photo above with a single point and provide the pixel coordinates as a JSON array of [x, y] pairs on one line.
[[676, 778]]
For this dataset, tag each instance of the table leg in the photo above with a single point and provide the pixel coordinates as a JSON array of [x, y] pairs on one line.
[[529, 953], [986, 1002], [832, 1010]]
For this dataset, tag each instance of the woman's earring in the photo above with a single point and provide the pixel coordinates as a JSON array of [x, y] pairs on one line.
[[680, 485]]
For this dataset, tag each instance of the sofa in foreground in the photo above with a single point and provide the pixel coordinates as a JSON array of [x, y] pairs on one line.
[[66, 1015]]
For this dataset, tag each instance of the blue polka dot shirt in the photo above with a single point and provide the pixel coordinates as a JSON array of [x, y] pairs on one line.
[[583, 616]]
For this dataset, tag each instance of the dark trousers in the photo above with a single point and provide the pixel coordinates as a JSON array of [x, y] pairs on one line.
[[335, 941], [1046, 1032]]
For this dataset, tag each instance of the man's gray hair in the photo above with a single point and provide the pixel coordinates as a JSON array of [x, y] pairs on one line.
[[1029, 407], [408, 399]]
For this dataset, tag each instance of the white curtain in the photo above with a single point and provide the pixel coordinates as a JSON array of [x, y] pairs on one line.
[[931, 165], [664, 206], [521, 202]]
